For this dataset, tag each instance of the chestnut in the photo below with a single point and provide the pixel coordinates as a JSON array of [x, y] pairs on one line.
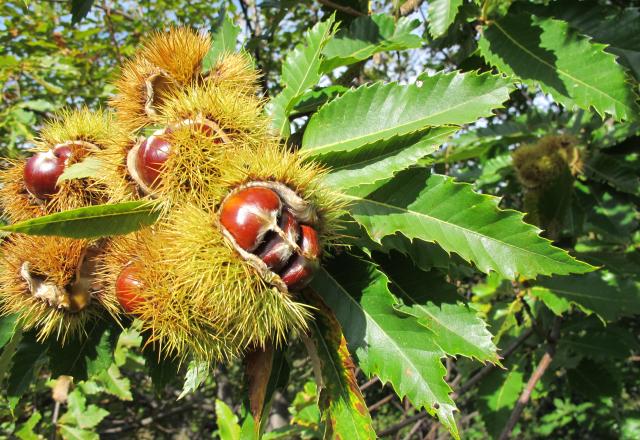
[[128, 286], [151, 157], [301, 269], [248, 214], [277, 251], [42, 170]]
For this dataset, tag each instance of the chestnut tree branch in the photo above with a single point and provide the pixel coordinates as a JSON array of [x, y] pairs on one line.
[[339, 7], [533, 380]]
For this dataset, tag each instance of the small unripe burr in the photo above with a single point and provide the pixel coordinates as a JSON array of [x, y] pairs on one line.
[[301, 269], [42, 170], [128, 286], [249, 214]]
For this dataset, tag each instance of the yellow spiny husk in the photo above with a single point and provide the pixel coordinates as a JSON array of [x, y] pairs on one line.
[[199, 298], [540, 163], [170, 61], [95, 128], [179, 52], [63, 296]]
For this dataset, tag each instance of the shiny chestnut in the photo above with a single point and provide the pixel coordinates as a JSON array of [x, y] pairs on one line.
[[249, 214], [42, 170], [128, 286]]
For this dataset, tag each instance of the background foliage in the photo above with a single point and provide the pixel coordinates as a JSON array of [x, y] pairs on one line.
[[417, 108]]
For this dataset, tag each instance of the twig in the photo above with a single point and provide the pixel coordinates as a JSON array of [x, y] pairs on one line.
[[484, 371], [367, 384], [533, 380], [345, 9], [414, 429], [381, 402], [409, 6]]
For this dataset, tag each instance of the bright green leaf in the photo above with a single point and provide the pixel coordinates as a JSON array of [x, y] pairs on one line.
[[91, 222], [376, 112], [228, 426], [545, 52], [461, 221], [442, 14], [223, 41]]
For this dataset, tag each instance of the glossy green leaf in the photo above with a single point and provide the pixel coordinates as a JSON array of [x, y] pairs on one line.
[[345, 413], [26, 432], [300, 72], [90, 167], [442, 14], [80, 415], [437, 209], [228, 426], [115, 384], [454, 327], [7, 328], [379, 111], [382, 160], [367, 36], [392, 347], [545, 52], [26, 362], [80, 9], [497, 395], [91, 222]]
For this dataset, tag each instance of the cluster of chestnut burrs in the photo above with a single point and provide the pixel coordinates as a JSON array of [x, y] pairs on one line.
[[243, 219]]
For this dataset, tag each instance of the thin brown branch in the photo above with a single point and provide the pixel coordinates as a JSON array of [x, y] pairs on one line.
[[533, 380], [381, 402], [339, 7], [367, 384]]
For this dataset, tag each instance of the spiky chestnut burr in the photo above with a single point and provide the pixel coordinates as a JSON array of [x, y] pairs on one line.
[[50, 284], [262, 222], [128, 287]]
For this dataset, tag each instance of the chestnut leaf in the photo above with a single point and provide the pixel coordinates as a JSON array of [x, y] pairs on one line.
[[435, 208]]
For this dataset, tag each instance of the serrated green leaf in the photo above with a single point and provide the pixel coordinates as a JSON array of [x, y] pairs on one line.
[[223, 41], [437, 209], [161, 369], [25, 432], [545, 52], [381, 160], [87, 355], [313, 99], [442, 14], [80, 415], [607, 296], [91, 222], [197, 373], [387, 345], [74, 433], [367, 36], [614, 171], [115, 384], [344, 410], [595, 380], [618, 28], [595, 341], [89, 167], [376, 112], [300, 72], [454, 327], [228, 426]]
